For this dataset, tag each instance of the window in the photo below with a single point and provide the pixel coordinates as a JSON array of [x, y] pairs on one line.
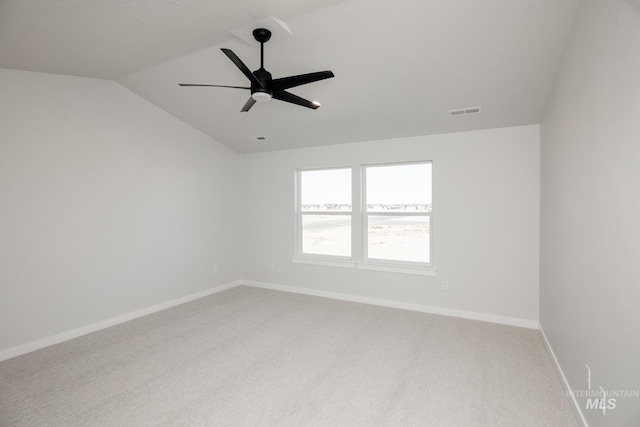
[[389, 229], [397, 213], [324, 212]]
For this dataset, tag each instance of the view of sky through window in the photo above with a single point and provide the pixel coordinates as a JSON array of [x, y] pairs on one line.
[[386, 185], [399, 184], [327, 186]]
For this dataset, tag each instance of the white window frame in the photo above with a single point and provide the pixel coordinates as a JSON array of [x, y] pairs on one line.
[[359, 229], [365, 221], [322, 259]]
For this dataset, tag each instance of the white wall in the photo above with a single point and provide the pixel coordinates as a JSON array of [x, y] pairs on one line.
[[486, 221], [590, 246], [107, 205]]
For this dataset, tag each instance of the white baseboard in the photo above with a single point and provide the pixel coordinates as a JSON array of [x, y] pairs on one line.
[[65, 336], [84, 330], [567, 388], [484, 317]]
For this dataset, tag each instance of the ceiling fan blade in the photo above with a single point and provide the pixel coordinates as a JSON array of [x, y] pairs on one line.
[[248, 105], [294, 99], [302, 79], [245, 70], [232, 87]]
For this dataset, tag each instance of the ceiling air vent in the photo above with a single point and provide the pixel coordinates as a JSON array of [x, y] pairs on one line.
[[465, 111], [257, 138]]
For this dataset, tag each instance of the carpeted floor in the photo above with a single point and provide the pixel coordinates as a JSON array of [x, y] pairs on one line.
[[255, 357]]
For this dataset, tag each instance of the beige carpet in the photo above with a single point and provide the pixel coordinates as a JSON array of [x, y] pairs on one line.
[[254, 357]]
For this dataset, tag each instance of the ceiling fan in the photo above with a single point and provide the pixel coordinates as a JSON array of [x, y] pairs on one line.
[[263, 86]]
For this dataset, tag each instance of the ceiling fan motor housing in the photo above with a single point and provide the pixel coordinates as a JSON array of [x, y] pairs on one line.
[[258, 92]]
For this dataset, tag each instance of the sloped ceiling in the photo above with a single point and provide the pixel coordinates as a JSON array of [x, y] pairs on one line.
[[399, 66]]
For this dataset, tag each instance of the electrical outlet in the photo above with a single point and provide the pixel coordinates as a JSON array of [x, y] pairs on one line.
[[272, 266], [445, 285], [215, 269], [588, 376]]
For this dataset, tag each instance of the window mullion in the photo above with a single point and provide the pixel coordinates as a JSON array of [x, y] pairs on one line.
[[391, 213], [321, 213]]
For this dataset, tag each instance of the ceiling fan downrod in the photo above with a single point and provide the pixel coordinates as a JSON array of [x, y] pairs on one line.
[[262, 35]]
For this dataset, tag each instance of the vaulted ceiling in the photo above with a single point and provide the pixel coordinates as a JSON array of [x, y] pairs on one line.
[[399, 66]]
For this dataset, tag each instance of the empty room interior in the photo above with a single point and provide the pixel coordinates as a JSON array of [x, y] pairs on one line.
[[320, 213]]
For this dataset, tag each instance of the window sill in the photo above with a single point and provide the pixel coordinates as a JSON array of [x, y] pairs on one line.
[[420, 271], [323, 261], [390, 268]]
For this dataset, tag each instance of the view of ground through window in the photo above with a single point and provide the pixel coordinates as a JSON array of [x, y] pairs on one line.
[[390, 238]]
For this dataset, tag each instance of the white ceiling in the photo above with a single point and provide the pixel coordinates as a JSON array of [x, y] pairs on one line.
[[399, 66]]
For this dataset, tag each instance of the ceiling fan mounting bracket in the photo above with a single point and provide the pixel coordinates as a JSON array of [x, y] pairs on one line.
[[262, 35]]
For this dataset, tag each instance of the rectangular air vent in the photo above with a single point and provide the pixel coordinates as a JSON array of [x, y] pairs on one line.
[[465, 111], [259, 138]]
